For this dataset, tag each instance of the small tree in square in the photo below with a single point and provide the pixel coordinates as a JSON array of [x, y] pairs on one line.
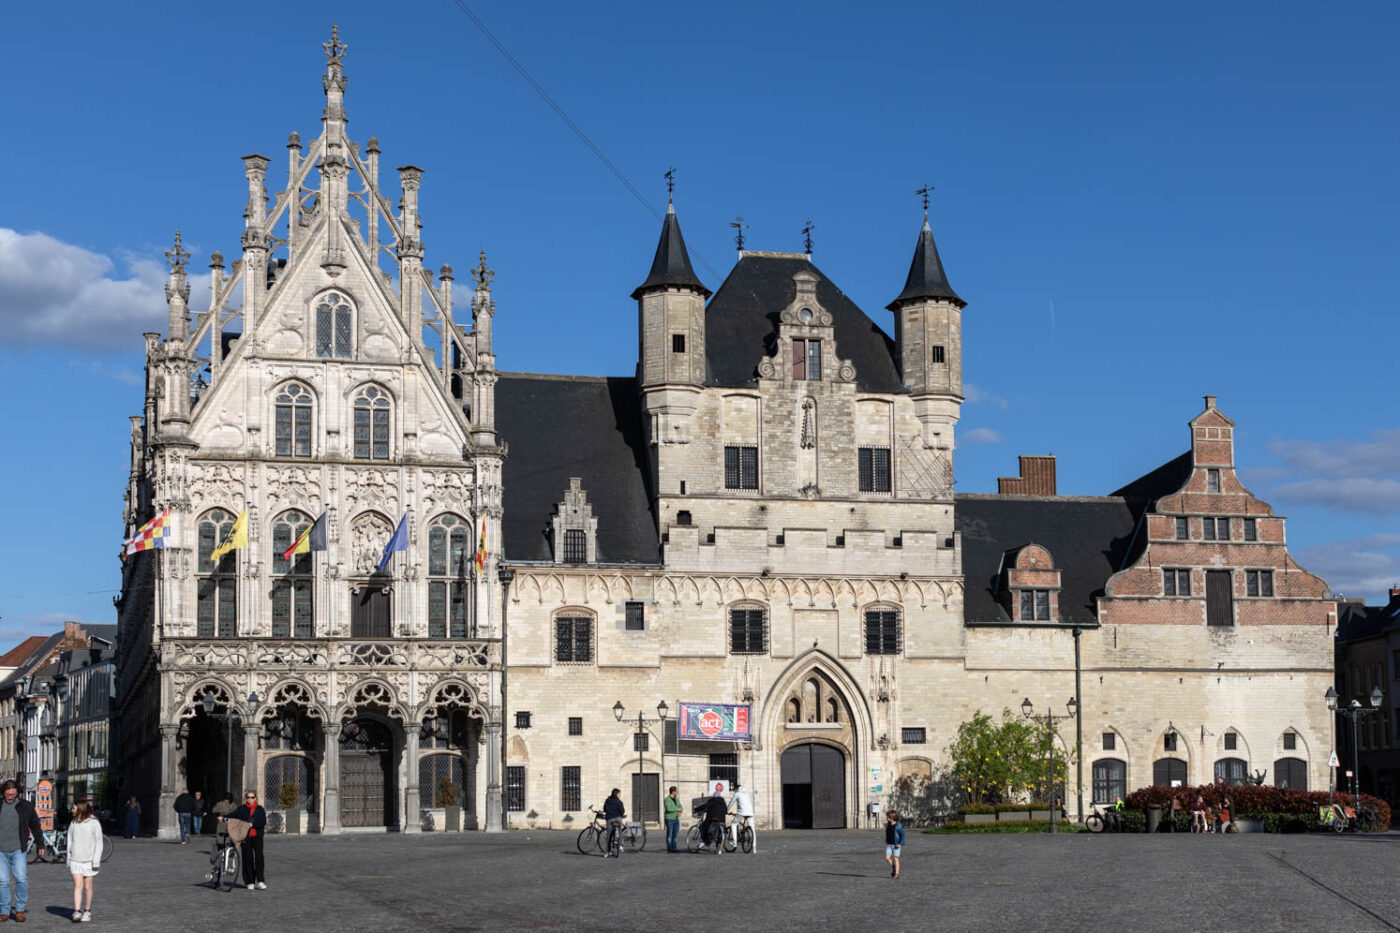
[[993, 761]]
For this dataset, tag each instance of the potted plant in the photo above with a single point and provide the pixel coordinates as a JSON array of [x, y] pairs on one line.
[[447, 799], [288, 798]]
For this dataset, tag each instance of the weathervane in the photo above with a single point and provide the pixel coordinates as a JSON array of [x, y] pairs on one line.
[[807, 229], [670, 183], [924, 192], [177, 257], [334, 48], [739, 227]]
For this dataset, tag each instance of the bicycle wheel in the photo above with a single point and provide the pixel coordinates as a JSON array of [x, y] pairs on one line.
[[635, 839], [588, 839], [615, 841], [31, 854], [731, 841], [746, 839], [232, 861], [692, 839], [1094, 823], [109, 848]]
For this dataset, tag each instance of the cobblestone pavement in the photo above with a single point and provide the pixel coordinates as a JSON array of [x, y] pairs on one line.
[[836, 880]]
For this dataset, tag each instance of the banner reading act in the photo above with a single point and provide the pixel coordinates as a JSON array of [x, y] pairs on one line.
[[719, 721]]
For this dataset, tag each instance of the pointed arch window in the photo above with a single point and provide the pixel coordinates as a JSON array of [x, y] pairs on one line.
[[373, 411], [293, 582], [217, 584], [334, 326], [449, 550], [294, 404]]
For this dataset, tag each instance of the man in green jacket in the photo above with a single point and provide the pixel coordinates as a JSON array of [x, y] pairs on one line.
[[672, 804]]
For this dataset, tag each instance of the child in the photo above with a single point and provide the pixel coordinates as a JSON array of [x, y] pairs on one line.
[[894, 841], [84, 858]]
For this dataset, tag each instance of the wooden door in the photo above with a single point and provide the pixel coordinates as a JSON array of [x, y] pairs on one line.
[[646, 798], [828, 788], [1220, 598], [369, 613]]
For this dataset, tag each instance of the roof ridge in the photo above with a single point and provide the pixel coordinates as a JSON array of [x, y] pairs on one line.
[[561, 377]]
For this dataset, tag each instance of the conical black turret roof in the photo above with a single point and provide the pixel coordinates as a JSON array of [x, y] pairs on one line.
[[926, 277], [672, 263]]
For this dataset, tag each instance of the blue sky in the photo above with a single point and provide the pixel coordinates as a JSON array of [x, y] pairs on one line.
[[1141, 205]]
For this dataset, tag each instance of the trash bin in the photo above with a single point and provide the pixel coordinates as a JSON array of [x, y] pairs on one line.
[[1154, 816]]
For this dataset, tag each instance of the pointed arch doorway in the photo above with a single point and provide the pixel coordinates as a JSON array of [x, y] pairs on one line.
[[814, 787]]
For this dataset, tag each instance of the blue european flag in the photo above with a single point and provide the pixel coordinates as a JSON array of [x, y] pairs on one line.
[[399, 542]]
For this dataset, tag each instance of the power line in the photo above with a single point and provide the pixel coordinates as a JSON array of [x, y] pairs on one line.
[[577, 130]]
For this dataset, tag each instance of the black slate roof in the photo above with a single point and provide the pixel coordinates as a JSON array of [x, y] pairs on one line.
[[1356, 621], [563, 426], [671, 265], [926, 276], [1166, 480], [1088, 539], [741, 323]]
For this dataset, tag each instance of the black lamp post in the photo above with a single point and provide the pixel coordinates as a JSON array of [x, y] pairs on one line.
[[506, 575], [662, 710], [1355, 711], [1028, 710]]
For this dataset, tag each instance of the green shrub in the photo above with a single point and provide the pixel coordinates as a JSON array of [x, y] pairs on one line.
[[976, 808]]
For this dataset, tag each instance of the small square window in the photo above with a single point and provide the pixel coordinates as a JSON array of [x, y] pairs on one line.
[[1251, 529], [1169, 742], [522, 719], [636, 616], [1110, 741], [641, 742], [1212, 480], [683, 518], [913, 736], [678, 343], [1231, 741], [1215, 529], [937, 355], [575, 725], [1290, 741], [1182, 529]]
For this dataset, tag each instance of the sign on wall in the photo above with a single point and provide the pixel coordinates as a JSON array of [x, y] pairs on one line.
[[43, 804], [716, 721]]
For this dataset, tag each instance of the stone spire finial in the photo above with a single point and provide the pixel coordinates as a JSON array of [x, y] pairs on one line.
[[334, 49], [483, 275], [924, 192], [177, 258]]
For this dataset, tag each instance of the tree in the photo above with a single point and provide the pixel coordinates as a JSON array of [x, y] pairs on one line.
[[994, 761]]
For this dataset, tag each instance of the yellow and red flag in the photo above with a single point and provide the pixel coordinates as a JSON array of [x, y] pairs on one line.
[[481, 549]]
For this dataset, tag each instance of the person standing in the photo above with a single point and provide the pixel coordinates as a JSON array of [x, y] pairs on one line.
[[18, 823], [894, 842], [133, 818], [672, 803], [84, 858], [252, 813], [184, 811], [197, 814]]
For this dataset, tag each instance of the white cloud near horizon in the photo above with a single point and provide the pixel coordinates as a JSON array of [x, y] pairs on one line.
[[975, 395], [980, 436], [1367, 566], [56, 294], [1342, 473]]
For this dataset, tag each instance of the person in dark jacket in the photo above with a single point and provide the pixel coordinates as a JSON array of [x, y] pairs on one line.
[[18, 823], [184, 811], [252, 812], [894, 842], [614, 812], [197, 814], [716, 813]]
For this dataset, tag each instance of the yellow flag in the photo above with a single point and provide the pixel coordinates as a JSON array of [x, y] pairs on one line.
[[237, 537]]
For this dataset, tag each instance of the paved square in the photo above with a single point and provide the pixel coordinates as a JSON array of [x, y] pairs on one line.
[[798, 881]]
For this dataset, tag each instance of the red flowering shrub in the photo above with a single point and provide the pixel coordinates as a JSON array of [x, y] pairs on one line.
[[1252, 800]]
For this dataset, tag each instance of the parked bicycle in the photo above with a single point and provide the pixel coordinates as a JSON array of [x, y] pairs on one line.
[[223, 864], [593, 836], [53, 847], [1105, 820]]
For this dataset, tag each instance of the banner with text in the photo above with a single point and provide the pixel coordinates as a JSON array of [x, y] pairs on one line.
[[716, 721]]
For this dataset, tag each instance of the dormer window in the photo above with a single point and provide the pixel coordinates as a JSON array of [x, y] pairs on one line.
[[807, 359], [575, 530], [1034, 606]]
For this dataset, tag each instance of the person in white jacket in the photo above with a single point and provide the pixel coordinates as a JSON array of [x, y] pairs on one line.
[[84, 857]]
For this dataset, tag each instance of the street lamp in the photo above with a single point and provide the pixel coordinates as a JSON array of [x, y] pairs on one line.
[[1355, 711], [662, 710], [506, 574], [1028, 711]]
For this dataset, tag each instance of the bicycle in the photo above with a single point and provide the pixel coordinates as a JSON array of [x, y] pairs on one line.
[[743, 835], [1101, 821], [224, 862], [695, 841], [593, 835]]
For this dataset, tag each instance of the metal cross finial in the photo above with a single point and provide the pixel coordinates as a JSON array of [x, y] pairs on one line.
[[334, 48], [924, 192], [739, 227], [670, 182], [177, 256], [482, 274], [807, 229]]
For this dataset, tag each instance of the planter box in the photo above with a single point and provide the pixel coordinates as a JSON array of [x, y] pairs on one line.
[[1042, 815], [979, 817]]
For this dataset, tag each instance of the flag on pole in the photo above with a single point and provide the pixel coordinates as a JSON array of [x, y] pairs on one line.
[[481, 549], [236, 538], [312, 539], [150, 535], [399, 542]]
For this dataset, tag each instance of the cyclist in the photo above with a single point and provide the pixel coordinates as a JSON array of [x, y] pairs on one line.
[[614, 812], [712, 829], [1115, 815], [741, 805]]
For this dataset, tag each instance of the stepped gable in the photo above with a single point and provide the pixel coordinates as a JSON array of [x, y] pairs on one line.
[[741, 322], [1088, 539], [559, 427]]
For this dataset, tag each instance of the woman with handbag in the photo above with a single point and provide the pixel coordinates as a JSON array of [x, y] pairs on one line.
[[252, 850]]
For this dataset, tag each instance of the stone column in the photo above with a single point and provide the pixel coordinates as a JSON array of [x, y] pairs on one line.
[[330, 803], [166, 825], [493, 776], [413, 817], [250, 760]]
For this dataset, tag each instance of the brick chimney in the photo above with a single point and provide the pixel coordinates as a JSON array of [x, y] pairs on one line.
[[1037, 478]]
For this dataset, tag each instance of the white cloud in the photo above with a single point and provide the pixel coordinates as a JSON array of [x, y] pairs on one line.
[[98, 368], [980, 436], [975, 395], [1342, 473], [1366, 567], [56, 294], [1350, 494]]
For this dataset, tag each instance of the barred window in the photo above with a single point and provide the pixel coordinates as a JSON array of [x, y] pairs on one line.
[[293, 580], [522, 719], [882, 631], [217, 611], [1259, 583], [571, 785], [575, 546], [724, 766], [748, 630], [334, 327], [913, 735], [1176, 582], [641, 742], [874, 469], [573, 639], [575, 725], [1290, 741], [741, 468], [441, 781], [678, 343], [515, 788], [937, 356], [372, 411], [1034, 606], [295, 770], [1110, 741], [1231, 741], [293, 428], [449, 550], [1110, 780], [636, 616]]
